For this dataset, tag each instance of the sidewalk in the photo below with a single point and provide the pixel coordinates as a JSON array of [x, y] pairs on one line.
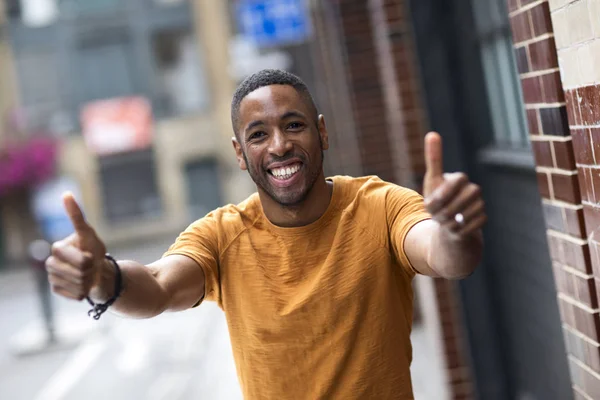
[[174, 356]]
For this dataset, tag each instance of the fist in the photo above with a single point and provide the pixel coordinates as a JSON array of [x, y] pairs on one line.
[[452, 200], [75, 264]]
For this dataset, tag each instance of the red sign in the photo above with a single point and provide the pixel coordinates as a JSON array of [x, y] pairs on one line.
[[117, 125]]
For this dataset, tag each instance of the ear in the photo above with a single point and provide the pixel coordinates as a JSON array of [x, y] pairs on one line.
[[239, 154], [323, 132]]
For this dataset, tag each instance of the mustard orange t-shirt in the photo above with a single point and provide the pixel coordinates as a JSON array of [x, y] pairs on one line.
[[322, 311]]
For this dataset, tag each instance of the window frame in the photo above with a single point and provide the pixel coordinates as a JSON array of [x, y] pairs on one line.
[[493, 38]]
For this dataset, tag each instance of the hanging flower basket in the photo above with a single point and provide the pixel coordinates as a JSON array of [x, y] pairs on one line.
[[26, 164]]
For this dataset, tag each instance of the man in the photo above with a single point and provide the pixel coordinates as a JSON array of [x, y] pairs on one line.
[[313, 274]]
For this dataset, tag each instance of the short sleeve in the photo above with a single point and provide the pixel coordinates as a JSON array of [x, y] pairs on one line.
[[404, 209], [200, 243]]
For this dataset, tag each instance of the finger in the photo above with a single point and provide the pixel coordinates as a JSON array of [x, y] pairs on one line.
[[468, 195], [75, 214], [70, 273], [67, 283], [472, 212], [445, 193], [433, 155], [68, 293], [473, 226], [70, 254]]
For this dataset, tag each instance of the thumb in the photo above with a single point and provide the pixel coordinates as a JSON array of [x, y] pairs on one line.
[[434, 174], [433, 155], [75, 214]]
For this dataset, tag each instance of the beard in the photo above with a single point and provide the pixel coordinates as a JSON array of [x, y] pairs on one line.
[[287, 197]]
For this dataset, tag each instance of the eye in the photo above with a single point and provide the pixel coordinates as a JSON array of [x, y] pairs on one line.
[[256, 135], [295, 126]]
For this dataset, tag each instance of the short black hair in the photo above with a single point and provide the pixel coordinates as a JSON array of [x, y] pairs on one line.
[[268, 77]]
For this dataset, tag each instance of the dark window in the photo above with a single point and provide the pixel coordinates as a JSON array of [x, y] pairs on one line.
[[204, 190], [493, 36], [181, 86], [130, 189]]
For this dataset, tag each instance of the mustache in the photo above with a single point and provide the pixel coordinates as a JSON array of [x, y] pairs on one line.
[[285, 158]]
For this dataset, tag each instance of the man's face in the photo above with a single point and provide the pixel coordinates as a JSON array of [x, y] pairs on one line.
[[280, 143]]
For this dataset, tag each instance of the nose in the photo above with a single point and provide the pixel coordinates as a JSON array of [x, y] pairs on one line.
[[280, 144]]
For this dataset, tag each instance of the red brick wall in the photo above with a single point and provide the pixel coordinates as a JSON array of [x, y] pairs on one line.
[[561, 111], [367, 90]]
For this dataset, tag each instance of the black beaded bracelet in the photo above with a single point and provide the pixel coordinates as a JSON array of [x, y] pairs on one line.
[[99, 309]]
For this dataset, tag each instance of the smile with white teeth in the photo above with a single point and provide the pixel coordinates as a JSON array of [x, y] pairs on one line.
[[285, 172]]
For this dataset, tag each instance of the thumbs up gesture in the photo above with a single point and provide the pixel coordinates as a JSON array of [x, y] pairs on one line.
[[454, 202], [76, 262]]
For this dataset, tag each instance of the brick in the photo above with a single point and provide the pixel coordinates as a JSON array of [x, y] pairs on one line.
[[573, 111], [552, 88], [595, 177], [553, 216], [589, 104], [532, 122], [560, 279], [586, 186], [577, 256], [542, 153], [543, 184], [576, 374], [592, 219], [563, 154], [522, 60], [566, 188], [520, 27], [570, 107], [554, 121], [591, 385], [532, 90], [582, 349], [566, 313], [582, 146], [585, 290], [540, 17], [543, 55], [584, 381], [595, 257], [595, 142], [575, 223], [586, 322]]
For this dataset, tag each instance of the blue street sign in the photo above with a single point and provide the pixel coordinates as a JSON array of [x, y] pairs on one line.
[[274, 22]]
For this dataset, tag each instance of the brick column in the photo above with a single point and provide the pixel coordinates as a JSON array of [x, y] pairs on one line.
[[561, 115]]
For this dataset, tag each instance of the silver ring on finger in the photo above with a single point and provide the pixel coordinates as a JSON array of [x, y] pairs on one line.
[[459, 218]]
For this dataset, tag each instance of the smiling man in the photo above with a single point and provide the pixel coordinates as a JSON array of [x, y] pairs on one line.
[[313, 273]]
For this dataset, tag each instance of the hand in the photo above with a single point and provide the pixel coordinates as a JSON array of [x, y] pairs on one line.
[[454, 202], [76, 262]]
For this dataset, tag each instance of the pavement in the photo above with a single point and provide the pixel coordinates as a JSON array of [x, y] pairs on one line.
[[175, 356]]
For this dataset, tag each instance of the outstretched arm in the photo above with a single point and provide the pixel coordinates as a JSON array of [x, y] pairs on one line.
[[78, 268], [450, 245]]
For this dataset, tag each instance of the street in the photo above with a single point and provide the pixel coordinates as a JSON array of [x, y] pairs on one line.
[[176, 356]]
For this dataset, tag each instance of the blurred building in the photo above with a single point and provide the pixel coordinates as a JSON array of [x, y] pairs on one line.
[[511, 85], [137, 174]]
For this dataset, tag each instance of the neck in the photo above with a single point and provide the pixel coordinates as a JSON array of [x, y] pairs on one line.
[[304, 213]]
